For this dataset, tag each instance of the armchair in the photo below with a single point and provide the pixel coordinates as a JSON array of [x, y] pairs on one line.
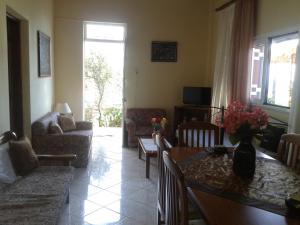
[[138, 123], [77, 141]]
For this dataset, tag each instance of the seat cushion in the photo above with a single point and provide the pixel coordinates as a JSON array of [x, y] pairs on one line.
[[37, 198], [87, 133]]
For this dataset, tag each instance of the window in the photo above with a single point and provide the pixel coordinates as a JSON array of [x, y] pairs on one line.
[[272, 79], [258, 55], [98, 31]]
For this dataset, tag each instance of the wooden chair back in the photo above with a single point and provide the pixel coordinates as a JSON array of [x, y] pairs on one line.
[[289, 150], [198, 134], [176, 194], [162, 145]]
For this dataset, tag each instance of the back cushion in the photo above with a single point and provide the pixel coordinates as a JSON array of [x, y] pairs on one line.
[[7, 173], [67, 123], [22, 156]]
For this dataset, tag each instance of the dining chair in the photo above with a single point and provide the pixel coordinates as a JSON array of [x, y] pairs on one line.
[[289, 150], [162, 145], [177, 207], [198, 134]]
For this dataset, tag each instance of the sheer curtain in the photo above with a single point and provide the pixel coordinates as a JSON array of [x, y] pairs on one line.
[[294, 117], [222, 73]]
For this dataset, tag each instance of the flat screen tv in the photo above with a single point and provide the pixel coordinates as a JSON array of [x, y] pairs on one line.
[[197, 95]]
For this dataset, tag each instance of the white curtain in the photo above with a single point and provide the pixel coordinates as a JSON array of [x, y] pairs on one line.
[[294, 117], [222, 76]]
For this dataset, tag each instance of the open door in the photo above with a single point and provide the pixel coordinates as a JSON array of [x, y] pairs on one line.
[[15, 75]]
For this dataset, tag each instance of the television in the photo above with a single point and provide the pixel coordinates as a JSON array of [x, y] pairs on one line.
[[197, 96]]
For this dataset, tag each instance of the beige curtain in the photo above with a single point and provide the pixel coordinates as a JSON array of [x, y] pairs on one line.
[[242, 38], [222, 72], [294, 118]]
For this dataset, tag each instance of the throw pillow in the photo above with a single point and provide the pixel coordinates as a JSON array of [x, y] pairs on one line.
[[23, 157], [54, 128], [66, 123], [7, 173]]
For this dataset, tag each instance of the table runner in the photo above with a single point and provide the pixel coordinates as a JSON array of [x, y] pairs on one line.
[[267, 190]]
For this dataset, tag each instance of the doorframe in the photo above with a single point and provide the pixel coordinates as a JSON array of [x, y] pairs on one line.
[[25, 68], [124, 99]]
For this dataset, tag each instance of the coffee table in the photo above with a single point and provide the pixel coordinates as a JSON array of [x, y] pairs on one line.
[[149, 148]]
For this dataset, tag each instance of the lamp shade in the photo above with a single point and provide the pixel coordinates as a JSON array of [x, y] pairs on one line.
[[63, 108]]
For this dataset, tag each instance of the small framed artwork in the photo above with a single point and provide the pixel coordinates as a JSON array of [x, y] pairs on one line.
[[164, 51], [44, 64]]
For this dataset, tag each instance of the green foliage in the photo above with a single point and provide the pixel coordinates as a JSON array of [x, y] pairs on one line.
[[88, 114], [98, 72], [113, 116]]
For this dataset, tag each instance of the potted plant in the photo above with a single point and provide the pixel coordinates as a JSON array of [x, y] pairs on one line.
[[242, 123]]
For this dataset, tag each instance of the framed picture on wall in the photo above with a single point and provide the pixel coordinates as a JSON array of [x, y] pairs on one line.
[[164, 51], [44, 64]]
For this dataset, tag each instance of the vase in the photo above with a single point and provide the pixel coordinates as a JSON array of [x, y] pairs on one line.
[[244, 158], [154, 133]]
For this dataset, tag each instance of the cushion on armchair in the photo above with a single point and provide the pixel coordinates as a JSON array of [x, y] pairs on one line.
[[67, 123], [22, 156], [54, 128]]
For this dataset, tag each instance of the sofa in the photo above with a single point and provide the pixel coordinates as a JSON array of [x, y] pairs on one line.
[[77, 141], [37, 198], [138, 123]]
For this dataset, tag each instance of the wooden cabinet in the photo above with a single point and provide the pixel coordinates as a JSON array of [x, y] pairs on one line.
[[187, 113]]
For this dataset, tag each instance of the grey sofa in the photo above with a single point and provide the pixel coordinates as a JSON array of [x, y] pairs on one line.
[[37, 198], [72, 142]]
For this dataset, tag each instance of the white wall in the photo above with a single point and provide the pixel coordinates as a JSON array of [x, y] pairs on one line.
[[147, 84], [37, 15]]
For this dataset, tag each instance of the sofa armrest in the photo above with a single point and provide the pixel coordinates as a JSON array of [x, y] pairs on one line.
[[84, 125], [65, 159]]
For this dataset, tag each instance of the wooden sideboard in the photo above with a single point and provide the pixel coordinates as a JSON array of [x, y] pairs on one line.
[[188, 113]]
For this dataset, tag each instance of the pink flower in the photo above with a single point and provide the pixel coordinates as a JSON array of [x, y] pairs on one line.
[[238, 114]]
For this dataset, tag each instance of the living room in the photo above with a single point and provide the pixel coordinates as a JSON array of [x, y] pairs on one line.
[[192, 24]]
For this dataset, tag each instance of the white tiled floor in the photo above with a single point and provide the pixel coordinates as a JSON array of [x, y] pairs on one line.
[[113, 189]]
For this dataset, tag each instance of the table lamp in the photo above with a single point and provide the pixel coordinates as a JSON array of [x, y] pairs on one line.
[[63, 108]]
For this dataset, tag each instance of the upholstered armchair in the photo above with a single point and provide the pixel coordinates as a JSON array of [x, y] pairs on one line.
[[77, 141], [138, 123]]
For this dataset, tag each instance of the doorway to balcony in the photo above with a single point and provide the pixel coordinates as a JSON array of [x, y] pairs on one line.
[[104, 46]]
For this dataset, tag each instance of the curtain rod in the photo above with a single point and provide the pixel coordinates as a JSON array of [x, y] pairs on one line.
[[225, 5]]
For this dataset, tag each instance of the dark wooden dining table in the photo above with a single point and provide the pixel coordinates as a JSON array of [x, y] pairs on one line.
[[222, 211]]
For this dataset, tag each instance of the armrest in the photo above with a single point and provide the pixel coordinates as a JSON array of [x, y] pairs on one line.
[[65, 159], [84, 125]]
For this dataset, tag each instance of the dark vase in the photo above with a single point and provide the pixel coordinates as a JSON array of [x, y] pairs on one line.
[[244, 158]]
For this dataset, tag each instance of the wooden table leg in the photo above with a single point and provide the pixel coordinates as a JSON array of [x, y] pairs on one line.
[[139, 150], [147, 165]]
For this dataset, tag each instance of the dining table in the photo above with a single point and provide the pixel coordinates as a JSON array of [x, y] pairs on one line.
[[221, 210]]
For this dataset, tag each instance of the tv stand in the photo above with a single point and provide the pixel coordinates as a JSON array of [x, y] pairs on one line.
[[187, 113]]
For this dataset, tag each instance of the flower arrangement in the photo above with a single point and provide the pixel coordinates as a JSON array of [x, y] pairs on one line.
[[158, 123], [242, 121]]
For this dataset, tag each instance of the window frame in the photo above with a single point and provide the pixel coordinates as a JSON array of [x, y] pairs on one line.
[[267, 42], [104, 40]]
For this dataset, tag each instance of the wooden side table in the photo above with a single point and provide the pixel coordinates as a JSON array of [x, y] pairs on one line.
[[149, 148]]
